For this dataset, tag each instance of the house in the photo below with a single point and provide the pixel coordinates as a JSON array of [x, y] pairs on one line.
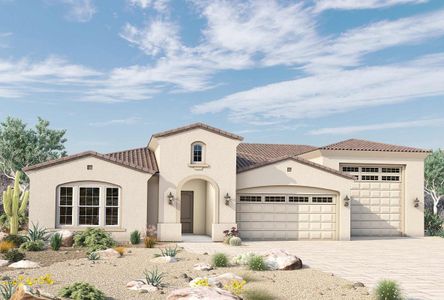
[[201, 180]]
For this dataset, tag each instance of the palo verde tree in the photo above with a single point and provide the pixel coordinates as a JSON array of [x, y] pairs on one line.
[[21, 146], [434, 177]]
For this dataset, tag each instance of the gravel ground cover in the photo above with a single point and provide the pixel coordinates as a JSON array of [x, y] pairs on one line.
[[112, 275]]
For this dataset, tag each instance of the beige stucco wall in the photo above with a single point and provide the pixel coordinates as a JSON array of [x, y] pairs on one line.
[[173, 154], [209, 208], [133, 184], [304, 177], [413, 163]]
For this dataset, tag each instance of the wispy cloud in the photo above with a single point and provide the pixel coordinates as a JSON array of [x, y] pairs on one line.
[[322, 5], [159, 5], [380, 126], [80, 10], [126, 121]]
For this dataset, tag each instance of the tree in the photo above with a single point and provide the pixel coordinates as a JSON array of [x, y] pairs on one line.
[[434, 177], [21, 146]]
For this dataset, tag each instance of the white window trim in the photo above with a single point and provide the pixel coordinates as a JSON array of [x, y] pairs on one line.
[[76, 201], [203, 161], [59, 205]]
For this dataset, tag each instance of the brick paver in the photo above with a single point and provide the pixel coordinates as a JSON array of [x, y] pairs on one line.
[[417, 264]]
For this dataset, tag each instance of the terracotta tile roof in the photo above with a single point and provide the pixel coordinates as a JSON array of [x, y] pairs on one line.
[[363, 145], [198, 125], [252, 154], [141, 159]]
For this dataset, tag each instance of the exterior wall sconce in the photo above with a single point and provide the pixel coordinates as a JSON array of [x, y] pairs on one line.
[[346, 201], [416, 202], [170, 198], [227, 198]]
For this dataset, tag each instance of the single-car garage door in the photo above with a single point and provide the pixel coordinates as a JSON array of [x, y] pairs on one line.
[[286, 217], [376, 200]]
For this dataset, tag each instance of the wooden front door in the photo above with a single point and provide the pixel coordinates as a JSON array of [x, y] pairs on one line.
[[186, 211]]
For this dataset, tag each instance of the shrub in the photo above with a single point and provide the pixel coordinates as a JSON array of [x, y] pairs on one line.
[[120, 250], [220, 260], [256, 263], [235, 241], [388, 290], [257, 294], [168, 251], [135, 237], [93, 256], [94, 239], [149, 241], [38, 245], [235, 286], [82, 291], [154, 278], [228, 234], [243, 258], [37, 233], [56, 241], [16, 239], [14, 255], [432, 223], [5, 246]]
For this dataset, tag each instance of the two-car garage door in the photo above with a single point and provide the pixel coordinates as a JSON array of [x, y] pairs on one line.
[[286, 216]]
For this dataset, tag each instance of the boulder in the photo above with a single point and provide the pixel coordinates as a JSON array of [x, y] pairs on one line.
[[3, 263], [201, 293], [27, 293], [67, 237], [217, 281], [141, 286], [164, 259], [3, 235], [108, 254], [24, 264], [278, 259], [202, 267]]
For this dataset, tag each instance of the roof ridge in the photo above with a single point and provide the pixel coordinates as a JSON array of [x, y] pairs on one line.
[[198, 125], [342, 145], [278, 144]]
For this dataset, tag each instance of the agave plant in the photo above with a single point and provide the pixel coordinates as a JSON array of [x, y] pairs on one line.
[[93, 256], [169, 251], [154, 277], [37, 233], [7, 289]]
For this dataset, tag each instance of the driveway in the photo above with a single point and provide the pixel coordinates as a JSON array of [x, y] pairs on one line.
[[417, 264]]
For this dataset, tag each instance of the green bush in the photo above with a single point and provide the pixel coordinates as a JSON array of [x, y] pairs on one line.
[[56, 241], [37, 233], [256, 263], [94, 239], [38, 245], [388, 290], [135, 237], [257, 294], [14, 255], [16, 239], [220, 260], [82, 291], [432, 223]]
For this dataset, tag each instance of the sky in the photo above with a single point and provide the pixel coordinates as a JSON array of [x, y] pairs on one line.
[[316, 72]]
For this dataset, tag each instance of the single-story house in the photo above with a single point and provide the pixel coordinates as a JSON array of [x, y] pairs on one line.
[[201, 180]]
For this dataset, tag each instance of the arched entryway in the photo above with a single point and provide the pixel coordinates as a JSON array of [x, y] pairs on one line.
[[198, 205]]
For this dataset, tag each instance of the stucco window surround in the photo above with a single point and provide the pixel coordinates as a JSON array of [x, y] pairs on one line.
[[109, 201], [198, 155]]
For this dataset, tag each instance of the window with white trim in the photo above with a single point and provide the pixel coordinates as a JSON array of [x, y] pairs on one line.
[[197, 153], [112, 206], [89, 206], [65, 205]]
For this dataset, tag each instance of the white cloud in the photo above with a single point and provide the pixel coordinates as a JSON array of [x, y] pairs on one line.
[[335, 92], [321, 5], [126, 121], [80, 10], [380, 126], [159, 5]]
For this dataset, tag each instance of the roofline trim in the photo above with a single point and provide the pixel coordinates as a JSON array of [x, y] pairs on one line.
[[194, 126]]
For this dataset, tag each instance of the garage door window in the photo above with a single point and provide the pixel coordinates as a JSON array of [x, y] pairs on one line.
[[369, 177], [274, 198], [322, 199], [303, 199], [300, 199], [250, 199]]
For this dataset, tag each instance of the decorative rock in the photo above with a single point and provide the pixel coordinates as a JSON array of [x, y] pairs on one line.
[[3, 235], [203, 267], [27, 293], [3, 263], [217, 281], [108, 254], [67, 237], [24, 264], [164, 259], [202, 293], [278, 259], [358, 285], [141, 286]]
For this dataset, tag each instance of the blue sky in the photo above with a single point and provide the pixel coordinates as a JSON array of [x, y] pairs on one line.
[[302, 72]]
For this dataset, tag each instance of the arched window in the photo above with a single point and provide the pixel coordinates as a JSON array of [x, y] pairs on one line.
[[197, 153]]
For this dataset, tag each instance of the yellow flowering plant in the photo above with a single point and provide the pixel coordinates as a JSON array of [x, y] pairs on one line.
[[201, 282], [235, 286]]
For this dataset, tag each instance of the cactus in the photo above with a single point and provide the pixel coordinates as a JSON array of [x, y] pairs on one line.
[[235, 241], [13, 206]]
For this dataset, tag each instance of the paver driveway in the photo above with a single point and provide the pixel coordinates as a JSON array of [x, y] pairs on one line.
[[417, 264]]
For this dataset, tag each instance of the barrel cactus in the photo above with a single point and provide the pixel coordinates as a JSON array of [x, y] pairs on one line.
[[14, 204], [235, 241]]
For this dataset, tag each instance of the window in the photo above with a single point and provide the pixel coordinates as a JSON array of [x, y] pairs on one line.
[[297, 199], [274, 198], [390, 178], [65, 206], [289, 169], [390, 170], [369, 177], [250, 198], [322, 199], [350, 169], [369, 170], [89, 167], [89, 206], [112, 206], [197, 153]]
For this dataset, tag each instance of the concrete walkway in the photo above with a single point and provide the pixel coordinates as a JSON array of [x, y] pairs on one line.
[[417, 264]]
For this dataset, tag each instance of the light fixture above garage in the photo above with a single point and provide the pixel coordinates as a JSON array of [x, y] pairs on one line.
[[416, 202], [170, 198], [227, 199], [346, 201]]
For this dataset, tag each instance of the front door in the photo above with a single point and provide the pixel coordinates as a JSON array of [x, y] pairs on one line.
[[186, 211]]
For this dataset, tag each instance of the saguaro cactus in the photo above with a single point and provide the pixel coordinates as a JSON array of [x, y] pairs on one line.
[[12, 204]]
